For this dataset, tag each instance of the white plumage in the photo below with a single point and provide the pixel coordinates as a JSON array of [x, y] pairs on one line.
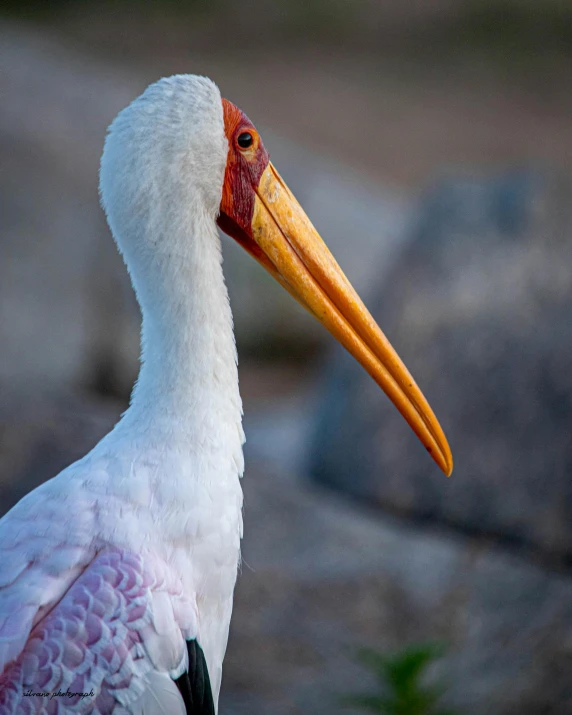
[[164, 484], [117, 576]]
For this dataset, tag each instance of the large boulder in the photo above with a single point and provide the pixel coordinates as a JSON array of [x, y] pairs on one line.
[[479, 307]]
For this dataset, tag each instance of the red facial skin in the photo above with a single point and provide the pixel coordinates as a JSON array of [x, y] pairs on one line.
[[244, 167]]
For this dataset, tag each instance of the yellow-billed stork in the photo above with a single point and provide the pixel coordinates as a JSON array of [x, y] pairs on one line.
[[117, 576]]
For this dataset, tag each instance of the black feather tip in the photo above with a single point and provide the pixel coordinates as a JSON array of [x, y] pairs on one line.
[[195, 685]]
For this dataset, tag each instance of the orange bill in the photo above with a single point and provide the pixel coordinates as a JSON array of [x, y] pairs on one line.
[[293, 252]]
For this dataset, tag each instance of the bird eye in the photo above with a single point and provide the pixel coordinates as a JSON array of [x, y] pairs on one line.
[[245, 140]]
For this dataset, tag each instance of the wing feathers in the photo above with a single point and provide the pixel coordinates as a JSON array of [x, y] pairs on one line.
[[101, 636]]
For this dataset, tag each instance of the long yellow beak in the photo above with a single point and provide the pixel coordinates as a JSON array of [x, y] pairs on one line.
[[297, 257]]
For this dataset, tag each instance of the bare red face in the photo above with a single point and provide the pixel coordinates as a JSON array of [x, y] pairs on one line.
[[246, 162]]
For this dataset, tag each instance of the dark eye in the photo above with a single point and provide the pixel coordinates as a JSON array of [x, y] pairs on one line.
[[245, 140]]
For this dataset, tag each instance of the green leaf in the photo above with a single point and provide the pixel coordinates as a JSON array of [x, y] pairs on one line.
[[401, 676]]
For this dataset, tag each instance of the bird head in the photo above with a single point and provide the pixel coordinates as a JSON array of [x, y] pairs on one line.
[[213, 163]]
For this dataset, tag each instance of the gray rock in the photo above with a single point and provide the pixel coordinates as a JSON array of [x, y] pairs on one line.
[[479, 308]]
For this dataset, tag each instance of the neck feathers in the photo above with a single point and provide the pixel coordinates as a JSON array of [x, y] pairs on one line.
[[161, 181], [187, 390]]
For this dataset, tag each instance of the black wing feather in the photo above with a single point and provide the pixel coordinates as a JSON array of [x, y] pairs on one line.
[[195, 685]]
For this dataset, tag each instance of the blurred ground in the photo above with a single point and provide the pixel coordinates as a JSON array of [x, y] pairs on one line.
[[366, 103]]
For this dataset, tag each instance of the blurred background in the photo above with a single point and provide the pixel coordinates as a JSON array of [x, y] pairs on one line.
[[431, 144]]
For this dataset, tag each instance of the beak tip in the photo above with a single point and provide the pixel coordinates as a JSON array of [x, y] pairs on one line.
[[448, 465], [443, 459]]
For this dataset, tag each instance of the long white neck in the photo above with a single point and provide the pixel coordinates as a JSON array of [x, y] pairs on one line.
[[161, 181], [186, 397]]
